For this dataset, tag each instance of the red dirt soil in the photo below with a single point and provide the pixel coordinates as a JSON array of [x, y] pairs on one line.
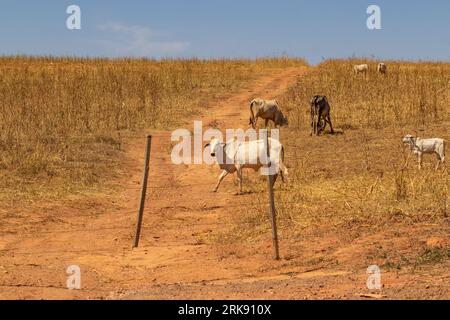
[[174, 260]]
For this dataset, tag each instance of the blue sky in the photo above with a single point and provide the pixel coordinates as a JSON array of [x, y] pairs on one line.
[[227, 28]]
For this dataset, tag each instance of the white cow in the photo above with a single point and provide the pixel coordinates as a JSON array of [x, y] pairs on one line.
[[420, 146], [362, 68], [236, 155]]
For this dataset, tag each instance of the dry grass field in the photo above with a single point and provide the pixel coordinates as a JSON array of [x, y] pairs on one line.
[[414, 94], [61, 119]]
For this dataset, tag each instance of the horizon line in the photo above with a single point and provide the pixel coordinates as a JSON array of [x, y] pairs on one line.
[[203, 59]]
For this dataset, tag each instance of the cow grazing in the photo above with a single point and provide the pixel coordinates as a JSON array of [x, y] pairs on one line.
[[267, 110], [382, 68], [420, 147], [320, 115], [362, 68], [235, 155]]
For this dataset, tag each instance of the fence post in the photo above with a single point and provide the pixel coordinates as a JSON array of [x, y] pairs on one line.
[[273, 213], [143, 191]]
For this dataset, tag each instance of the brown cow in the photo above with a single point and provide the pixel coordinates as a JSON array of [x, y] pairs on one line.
[[267, 110]]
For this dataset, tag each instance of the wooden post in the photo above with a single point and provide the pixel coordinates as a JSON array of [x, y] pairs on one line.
[[143, 192], [273, 214]]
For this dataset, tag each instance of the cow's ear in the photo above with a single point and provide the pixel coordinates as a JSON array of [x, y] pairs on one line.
[[206, 145]]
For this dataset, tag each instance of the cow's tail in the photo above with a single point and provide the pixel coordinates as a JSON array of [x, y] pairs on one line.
[[445, 148], [252, 115]]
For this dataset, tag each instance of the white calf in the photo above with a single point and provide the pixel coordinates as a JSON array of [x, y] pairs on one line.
[[362, 68], [235, 155], [420, 146]]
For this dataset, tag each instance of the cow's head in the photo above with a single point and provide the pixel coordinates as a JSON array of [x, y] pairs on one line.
[[313, 101], [408, 139], [213, 145], [284, 121]]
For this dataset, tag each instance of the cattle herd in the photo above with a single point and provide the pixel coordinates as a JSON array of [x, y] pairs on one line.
[[234, 156]]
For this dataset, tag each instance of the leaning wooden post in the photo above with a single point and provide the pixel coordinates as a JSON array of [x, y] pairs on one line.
[[143, 192], [273, 214]]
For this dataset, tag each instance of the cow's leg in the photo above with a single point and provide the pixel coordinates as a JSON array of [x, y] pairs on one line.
[[266, 123], [323, 124], [222, 176], [239, 175], [318, 124], [312, 124], [283, 172], [252, 122], [253, 118], [329, 122], [420, 161], [440, 160], [316, 127], [274, 179], [437, 165]]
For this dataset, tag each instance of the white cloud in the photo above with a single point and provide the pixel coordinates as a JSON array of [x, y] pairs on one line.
[[134, 40]]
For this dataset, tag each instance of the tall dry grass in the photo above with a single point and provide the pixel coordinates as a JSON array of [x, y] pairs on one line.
[[411, 94], [60, 117]]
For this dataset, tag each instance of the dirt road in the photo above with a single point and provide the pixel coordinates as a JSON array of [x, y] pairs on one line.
[[177, 258]]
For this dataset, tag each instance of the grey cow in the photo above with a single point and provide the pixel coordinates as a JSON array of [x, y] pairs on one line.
[[320, 114], [267, 110]]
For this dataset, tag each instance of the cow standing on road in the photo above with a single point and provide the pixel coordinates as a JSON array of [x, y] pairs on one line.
[[234, 156], [267, 110]]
